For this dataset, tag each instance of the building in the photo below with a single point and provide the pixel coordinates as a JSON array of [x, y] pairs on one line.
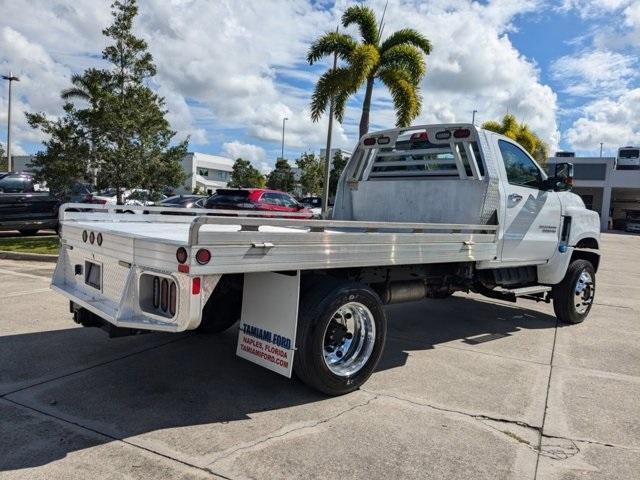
[[603, 188], [20, 163], [205, 172]]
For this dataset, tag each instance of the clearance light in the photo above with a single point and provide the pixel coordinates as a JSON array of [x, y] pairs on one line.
[[92, 238], [85, 235], [369, 141], [203, 256], [99, 239], [462, 133]]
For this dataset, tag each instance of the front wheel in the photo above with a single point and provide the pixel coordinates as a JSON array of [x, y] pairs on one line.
[[573, 297], [341, 334]]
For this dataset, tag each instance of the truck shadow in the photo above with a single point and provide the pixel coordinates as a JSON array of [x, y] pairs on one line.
[[195, 382]]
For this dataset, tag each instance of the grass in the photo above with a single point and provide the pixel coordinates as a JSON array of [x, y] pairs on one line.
[[30, 244]]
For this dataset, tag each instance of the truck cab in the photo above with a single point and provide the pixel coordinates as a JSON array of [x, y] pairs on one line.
[[463, 174]]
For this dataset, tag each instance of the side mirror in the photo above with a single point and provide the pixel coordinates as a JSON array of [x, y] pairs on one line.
[[562, 180]]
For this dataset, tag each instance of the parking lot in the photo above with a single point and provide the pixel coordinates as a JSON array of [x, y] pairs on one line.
[[468, 388]]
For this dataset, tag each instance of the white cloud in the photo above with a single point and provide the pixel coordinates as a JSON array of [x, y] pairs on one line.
[[595, 73], [221, 66], [613, 121], [246, 151]]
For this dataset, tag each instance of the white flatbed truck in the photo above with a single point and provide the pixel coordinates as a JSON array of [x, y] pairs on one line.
[[420, 212]]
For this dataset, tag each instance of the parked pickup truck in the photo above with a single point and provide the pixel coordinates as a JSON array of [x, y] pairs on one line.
[[420, 212], [24, 209]]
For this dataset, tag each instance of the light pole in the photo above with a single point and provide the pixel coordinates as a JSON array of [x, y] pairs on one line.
[[601, 144], [10, 78], [282, 152], [473, 118]]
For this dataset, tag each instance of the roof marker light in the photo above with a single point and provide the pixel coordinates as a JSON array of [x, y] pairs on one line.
[[462, 133], [419, 136]]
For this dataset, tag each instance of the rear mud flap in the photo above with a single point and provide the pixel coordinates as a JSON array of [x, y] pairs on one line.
[[269, 319]]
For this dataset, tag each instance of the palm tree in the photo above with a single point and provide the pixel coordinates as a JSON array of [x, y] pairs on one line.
[[397, 62], [521, 133]]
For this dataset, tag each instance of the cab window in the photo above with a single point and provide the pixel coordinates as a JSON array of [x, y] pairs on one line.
[[521, 170]]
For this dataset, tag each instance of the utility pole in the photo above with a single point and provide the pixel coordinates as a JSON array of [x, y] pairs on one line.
[[282, 151], [601, 144], [10, 78], [473, 118], [327, 154]]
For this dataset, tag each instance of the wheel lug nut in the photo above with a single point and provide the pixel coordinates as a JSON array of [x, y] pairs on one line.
[[339, 354], [349, 336]]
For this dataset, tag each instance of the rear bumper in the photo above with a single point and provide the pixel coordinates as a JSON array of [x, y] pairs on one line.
[[121, 299]]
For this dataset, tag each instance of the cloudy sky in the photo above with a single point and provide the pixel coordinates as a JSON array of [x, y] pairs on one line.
[[231, 70]]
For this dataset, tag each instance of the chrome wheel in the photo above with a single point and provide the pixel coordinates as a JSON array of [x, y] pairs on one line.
[[349, 339], [584, 292]]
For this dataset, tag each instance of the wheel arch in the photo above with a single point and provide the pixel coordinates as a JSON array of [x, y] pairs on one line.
[[589, 255]]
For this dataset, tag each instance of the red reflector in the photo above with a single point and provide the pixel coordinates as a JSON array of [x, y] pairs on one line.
[[203, 256], [419, 136], [181, 255], [195, 285], [369, 141], [462, 133], [183, 268]]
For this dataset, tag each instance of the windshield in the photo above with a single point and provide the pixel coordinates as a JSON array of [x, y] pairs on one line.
[[229, 196], [629, 153]]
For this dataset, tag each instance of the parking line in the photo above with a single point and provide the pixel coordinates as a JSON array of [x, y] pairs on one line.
[[26, 275], [29, 292]]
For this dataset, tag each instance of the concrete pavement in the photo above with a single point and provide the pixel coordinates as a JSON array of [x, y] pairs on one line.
[[467, 388]]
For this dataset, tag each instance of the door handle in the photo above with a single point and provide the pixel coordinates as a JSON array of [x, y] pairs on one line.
[[514, 197]]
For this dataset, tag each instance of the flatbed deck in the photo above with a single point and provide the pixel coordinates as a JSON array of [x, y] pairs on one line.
[[242, 244]]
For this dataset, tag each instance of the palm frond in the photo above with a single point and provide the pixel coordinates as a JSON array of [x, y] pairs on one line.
[[405, 57], [74, 93], [493, 126], [362, 62], [405, 94], [407, 36], [330, 43], [339, 105], [331, 84], [364, 17]]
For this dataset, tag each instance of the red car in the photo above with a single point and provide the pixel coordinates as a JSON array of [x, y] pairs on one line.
[[260, 199]]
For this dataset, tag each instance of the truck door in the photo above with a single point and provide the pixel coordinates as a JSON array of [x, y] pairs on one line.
[[531, 217]]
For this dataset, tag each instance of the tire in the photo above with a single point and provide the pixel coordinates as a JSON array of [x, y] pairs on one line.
[[28, 232], [224, 306], [319, 306], [580, 275]]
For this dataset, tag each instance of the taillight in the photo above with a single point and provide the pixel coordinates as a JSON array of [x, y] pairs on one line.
[[369, 141], [158, 295], [181, 255], [92, 238], [203, 256], [99, 239], [85, 235]]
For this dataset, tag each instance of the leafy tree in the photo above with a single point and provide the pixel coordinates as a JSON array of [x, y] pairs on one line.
[[311, 173], [67, 150], [397, 62], [124, 120], [281, 177], [521, 133], [246, 175], [3, 163], [337, 166]]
